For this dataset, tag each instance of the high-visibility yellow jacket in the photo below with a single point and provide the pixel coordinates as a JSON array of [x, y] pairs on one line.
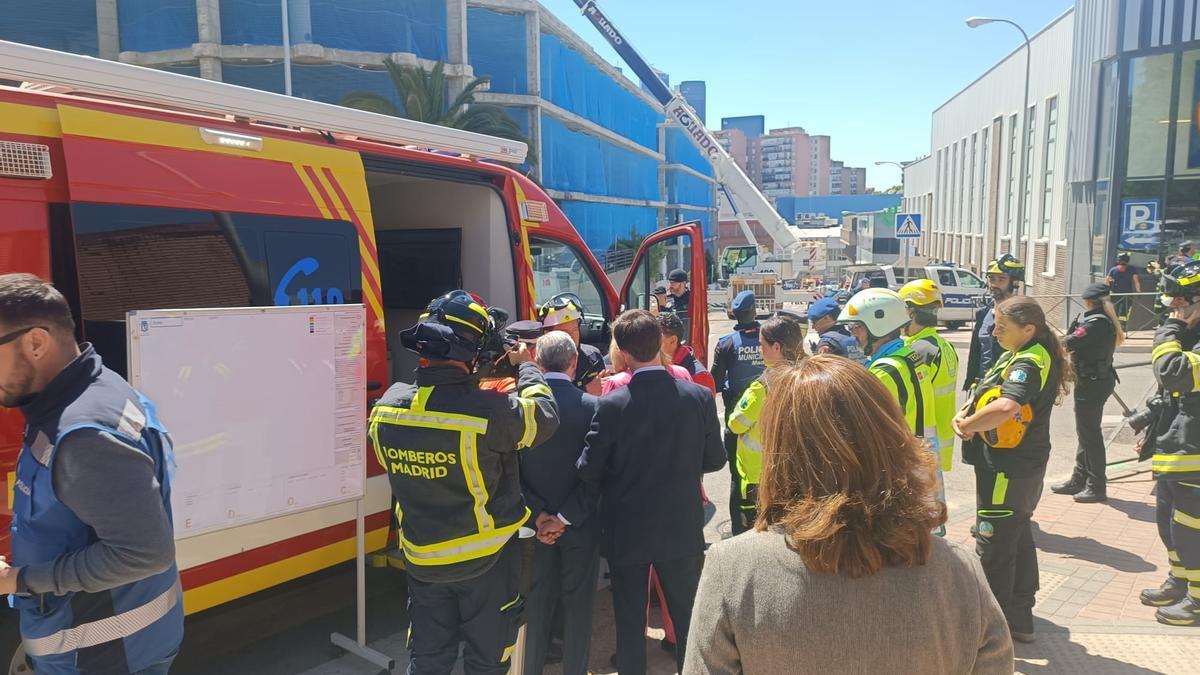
[[450, 451], [743, 421], [942, 361], [907, 378]]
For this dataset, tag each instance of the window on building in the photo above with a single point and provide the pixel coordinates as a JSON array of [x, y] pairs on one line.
[[1107, 107], [1048, 159], [971, 181], [1187, 133], [952, 215], [983, 179], [1010, 200], [1149, 91], [964, 186], [1032, 113]]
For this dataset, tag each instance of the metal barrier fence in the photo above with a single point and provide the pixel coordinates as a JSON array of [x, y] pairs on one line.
[[1135, 309]]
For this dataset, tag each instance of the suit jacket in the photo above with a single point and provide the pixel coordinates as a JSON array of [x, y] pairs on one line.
[[648, 448], [548, 474]]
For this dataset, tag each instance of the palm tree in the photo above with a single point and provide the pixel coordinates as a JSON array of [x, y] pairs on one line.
[[422, 96]]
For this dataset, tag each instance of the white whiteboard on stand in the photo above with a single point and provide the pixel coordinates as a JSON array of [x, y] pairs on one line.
[[266, 407]]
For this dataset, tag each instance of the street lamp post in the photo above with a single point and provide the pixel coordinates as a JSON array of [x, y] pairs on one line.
[[907, 243], [975, 22]]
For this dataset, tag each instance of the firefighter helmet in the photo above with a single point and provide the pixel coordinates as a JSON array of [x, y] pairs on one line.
[[921, 293], [1183, 281], [1008, 264], [562, 308], [453, 327], [882, 311]]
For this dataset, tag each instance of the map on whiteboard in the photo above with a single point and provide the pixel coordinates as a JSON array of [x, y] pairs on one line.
[[266, 407]]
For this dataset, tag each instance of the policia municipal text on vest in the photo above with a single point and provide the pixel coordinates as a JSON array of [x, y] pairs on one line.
[[1173, 440], [450, 451]]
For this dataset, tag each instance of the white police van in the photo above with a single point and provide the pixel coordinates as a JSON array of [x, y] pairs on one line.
[[963, 292]]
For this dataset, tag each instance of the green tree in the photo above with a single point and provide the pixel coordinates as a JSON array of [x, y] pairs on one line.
[[422, 95]]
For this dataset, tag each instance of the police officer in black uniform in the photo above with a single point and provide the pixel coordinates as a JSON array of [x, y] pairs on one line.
[[1091, 339], [450, 451], [737, 361]]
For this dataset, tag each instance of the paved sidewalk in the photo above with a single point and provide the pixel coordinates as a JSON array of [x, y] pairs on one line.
[[1095, 559]]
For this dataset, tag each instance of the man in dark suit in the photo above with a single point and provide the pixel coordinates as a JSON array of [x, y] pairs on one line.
[[649, 475], [565, 558]]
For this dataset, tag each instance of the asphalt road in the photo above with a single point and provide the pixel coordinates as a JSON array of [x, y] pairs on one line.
[[286, 630]]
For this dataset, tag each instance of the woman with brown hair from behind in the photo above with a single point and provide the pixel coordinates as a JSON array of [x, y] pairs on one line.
[[842, 573]]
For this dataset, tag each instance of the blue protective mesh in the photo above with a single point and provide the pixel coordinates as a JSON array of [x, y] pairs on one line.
[[572, 82], [191, 69], [601, 225], [152, 25], [65, 25], [497, 49], [580, 162], [327, 83], [254, 22], [680, 150], [675, 216], [414, 26], [684, 188]]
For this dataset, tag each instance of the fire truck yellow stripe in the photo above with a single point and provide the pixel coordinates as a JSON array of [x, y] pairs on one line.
[[29, 120]]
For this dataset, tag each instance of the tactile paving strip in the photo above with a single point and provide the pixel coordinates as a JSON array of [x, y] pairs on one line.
[[1109, 653]]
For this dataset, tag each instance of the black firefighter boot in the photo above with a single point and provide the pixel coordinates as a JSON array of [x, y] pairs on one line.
[[1186, 612], [1170, 592], [1073, 485]]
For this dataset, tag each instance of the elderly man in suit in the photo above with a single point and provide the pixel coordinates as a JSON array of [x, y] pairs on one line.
[[649, 475], [565, 558]]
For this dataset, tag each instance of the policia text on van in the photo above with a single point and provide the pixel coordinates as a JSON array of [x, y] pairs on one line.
[[450, 449]]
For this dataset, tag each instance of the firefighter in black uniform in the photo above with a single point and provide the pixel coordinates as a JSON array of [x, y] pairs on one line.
[[1010, 412], [737, 361], [564, 312], [450, 451], [1091, 339], [1174, 441]]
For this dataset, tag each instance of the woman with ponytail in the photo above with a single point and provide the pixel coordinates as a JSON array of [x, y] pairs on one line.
[[782, 339], [1010, 410], [1091, 340], [846, 511]]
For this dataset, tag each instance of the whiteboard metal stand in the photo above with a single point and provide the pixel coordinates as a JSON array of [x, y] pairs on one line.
[[358, 646]]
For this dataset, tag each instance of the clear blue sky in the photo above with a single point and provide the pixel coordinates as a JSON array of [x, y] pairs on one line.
[[868, 73]]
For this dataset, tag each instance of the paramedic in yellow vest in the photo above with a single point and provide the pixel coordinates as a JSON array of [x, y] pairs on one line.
[[782, 341], [1010, 411], [450, 451], [924, 300], [876, 318]]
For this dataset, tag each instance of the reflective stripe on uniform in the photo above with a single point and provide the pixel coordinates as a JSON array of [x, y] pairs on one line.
[[1175, 463], [474, 476], [999, 489], [98, 632], [528, 412], [993, 513], [1186, 520], [418, 402], [1194, 362], [433, 420], [1169, 347], [750, 442], [536, 389], [470, 547]]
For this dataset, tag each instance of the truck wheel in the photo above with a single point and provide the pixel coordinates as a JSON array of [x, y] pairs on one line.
[[954, 325], [11, 651]]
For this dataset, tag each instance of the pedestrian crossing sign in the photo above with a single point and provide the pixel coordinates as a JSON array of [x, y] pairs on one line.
[[908, 225]]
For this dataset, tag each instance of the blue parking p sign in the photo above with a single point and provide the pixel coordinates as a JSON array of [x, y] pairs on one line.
[[1140, 226]]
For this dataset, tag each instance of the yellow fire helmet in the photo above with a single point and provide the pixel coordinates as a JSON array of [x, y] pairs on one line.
[[921, 293], [1010, 432]]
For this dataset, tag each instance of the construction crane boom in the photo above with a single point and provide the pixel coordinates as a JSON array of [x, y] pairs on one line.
[[734, 182]]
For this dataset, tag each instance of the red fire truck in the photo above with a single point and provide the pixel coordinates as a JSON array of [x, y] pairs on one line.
[[133, 188]]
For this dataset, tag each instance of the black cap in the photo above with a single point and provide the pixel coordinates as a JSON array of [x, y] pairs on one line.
[[1185, 245], [525, 330], [1096, 292], [1124, 257], [660, 289], [677, 275]]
